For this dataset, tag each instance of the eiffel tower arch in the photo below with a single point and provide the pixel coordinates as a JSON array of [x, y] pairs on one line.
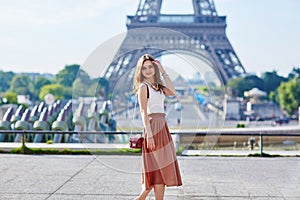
[[202, 33]]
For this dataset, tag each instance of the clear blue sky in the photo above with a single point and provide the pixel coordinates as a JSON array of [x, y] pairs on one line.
[[45, 35]]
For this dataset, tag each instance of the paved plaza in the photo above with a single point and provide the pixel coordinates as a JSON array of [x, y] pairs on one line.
[[118, 177]]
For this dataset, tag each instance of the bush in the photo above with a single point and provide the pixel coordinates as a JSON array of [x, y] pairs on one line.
[[11, 97], [240, 125], [49, 142]]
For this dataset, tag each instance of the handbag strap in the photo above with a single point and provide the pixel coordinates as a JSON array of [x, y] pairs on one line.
[[133, 116]]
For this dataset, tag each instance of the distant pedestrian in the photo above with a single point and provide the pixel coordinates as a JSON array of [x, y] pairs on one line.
[[178, 121], [160, 165]]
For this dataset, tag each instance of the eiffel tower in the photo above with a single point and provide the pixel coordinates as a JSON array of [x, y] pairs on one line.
[[204, 28]]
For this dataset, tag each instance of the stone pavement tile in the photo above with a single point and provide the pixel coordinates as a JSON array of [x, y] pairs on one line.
[[242, 177], [292, 198], [199, 190], [250, 198], [22, 174], [117, 197], [98, 188], [90, 197], [27, 184], [112, 178], [100, 179], [230, 189], [123, 164], [266, 191], [23, 196], [290, 191]]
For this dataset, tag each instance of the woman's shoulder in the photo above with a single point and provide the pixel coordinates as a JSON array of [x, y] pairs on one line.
[[142, 85]]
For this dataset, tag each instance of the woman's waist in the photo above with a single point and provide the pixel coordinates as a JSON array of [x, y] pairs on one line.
[[156, 114], [155, 108]]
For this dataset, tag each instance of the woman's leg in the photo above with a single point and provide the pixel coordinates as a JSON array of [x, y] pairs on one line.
[[144, 194], [159, 191]]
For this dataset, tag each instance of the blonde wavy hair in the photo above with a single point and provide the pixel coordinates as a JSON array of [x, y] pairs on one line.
[[138, 76]]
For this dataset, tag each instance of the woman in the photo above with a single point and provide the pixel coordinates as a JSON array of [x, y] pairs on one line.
[[160, 166]]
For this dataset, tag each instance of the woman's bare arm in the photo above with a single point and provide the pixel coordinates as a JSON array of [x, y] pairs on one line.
[[142, 96], [170, 89]]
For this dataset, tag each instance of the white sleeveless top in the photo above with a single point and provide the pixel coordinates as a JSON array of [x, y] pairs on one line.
[[155, 103]]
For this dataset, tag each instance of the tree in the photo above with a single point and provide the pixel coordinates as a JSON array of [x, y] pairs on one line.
[[289, 95], [103, 87], [67, 76], [5, 79], [84, 77], [11, 97], [271, 81], [254, 81], [81, 89], [56, 89], [295, 73], [38, 84], [83, 86], [68, 93], [236, 86], [273, 96], [22, 85], [241, 84]]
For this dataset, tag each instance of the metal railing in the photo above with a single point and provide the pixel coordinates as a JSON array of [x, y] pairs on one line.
[[260, 132]]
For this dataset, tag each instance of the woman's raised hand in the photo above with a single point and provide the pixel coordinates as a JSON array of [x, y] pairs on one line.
[[161, 69]]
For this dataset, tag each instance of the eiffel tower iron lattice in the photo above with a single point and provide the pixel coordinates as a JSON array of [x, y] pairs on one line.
[[204, 29]]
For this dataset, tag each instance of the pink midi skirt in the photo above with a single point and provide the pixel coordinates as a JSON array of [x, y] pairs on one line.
[[160, 166]]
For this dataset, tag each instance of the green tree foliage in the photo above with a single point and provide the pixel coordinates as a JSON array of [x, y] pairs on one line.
[[84, 87], [289, 95], [241, 84], [80, 88], [236, 86], [22, 85], [38, 84], [5, 79], [68, 93], [56, 89], [254, 81], [84, 77], [11, 97], [102, 87], [271, 81], [67, 76], [295, 73], [273, 95]]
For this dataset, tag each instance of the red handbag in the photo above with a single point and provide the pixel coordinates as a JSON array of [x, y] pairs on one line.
[[136, 142]]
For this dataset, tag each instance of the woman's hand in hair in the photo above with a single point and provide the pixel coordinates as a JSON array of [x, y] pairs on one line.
[[161, 69]]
